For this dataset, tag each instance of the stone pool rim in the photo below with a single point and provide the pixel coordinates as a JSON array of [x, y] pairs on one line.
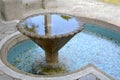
[[15, 74]]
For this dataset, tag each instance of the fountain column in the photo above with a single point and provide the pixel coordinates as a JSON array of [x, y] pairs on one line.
[[51, 41]]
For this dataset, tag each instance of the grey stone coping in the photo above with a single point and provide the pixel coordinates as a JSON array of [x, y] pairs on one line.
[[5, 77], [89, 77], [8, 69]]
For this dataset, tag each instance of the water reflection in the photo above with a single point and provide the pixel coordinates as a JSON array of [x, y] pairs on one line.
[[48, 25], [53, 24]]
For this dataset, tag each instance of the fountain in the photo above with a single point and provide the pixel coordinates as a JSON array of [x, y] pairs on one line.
[[51, 32], [44, 54]]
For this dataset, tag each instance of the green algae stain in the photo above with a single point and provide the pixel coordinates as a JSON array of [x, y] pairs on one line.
[[66, 17]]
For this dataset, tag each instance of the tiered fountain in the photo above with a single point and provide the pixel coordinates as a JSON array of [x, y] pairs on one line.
[[51, 32]]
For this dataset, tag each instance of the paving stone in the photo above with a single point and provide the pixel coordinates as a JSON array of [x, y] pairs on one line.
[[1, 73], [5, 77], [88, 77]]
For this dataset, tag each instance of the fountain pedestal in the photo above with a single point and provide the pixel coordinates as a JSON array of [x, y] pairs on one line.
[[51, 47], [51, 32]]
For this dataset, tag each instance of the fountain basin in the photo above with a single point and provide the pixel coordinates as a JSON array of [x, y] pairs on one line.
[[51, 31]]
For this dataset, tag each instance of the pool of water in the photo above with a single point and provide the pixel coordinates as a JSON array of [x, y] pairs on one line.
[[95, 45], [57, 24]]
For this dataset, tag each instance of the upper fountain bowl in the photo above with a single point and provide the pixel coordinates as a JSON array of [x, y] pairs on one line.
[[50, 25]]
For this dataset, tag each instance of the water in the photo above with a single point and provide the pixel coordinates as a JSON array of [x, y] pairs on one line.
[[88, 46], [58, 24]]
